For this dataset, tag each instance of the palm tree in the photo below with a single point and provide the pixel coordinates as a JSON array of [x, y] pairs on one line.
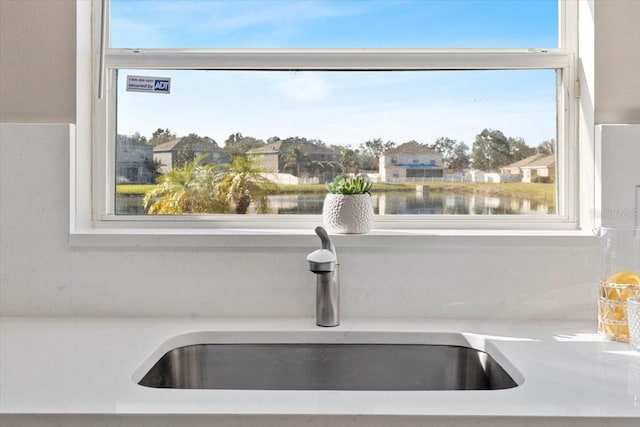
[[297, 158], [189, 189], [242, 184]]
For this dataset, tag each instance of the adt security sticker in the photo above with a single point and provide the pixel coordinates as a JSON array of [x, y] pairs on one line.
[[148, 84]]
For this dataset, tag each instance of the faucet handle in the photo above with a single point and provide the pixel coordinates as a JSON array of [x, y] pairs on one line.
[[322, 261]]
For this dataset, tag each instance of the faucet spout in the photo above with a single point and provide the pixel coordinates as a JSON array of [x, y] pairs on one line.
[[324, 263], [325, 240]]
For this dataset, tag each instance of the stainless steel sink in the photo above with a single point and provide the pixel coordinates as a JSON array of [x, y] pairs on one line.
[[327, 366]]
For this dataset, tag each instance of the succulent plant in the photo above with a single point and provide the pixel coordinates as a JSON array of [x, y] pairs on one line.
[[359, 184]]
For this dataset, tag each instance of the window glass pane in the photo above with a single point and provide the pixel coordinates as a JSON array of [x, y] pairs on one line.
[[334, 23], [483, 141]]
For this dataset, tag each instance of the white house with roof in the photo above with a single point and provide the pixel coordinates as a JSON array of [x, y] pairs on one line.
[[410, 162], [540, 170], [476, 175], [539, 167]]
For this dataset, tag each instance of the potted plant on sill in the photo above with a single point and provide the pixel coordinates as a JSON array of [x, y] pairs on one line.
[[348, 209]]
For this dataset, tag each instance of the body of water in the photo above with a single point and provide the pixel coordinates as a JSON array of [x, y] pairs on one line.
[[391, 203]]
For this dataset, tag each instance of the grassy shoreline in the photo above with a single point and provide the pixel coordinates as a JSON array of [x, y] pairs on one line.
[[506, 190]]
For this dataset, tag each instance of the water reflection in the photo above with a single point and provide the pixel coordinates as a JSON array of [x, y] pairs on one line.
[[406, 203], [391, 203]]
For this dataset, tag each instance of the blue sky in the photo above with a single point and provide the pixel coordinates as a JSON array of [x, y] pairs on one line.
[[340, 107], [334, 23]]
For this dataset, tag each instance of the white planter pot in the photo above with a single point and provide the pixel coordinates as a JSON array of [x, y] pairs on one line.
[[347, 213]]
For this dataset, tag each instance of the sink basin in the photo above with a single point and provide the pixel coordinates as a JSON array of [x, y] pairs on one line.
[[327, 366]]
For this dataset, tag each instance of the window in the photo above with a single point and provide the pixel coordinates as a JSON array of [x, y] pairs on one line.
[[311, 90]]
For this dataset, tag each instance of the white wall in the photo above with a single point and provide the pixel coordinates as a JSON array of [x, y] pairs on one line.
[[41, 274]]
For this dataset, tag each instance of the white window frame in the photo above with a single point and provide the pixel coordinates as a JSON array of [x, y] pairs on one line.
[[93, 200]]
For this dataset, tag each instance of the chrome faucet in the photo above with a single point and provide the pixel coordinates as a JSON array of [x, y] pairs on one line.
[[324, 263]]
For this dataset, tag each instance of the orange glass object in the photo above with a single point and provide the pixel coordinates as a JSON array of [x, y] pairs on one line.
[[612, 313]]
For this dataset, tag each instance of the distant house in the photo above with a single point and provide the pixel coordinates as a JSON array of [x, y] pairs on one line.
[[134, 163], [410, 162], [270, 157], [274, 158], [529, 168], [475, 175], [514, 168], [540, 170], [172, 153]]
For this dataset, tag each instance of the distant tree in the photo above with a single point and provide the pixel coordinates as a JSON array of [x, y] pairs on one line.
[[185, 155], [348, 160], [519, 150], [413, 141], [152, 168], [547, 147], [190, 145], [447, 147], [238, 145], [366, 161], [135, 139], [160, 136], [194, 138], [375, 147], [138, 139], [293, 140], [461, 158], [318, 143], [491, 150]]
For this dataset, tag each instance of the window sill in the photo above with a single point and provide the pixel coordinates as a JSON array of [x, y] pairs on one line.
[[283, 238]]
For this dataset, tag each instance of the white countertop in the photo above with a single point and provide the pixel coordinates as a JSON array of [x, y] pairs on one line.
[[88, 367]]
